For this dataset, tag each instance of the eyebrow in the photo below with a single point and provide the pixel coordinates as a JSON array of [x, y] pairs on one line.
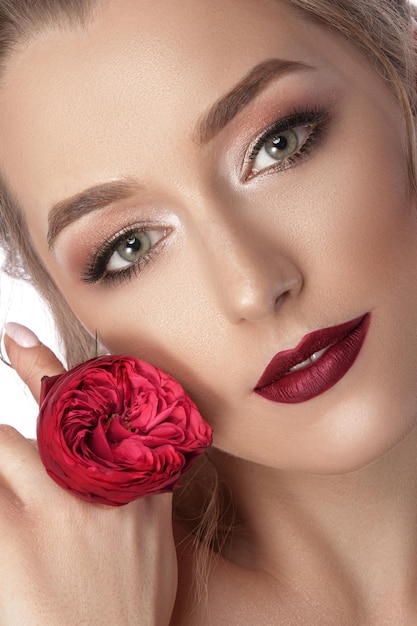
[[222, 112], [228, 106], [66, 211]]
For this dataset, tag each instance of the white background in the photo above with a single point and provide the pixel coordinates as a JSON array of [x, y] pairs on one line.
[[19, 303]]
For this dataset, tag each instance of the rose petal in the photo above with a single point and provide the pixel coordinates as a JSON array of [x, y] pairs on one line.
[[115, 429]]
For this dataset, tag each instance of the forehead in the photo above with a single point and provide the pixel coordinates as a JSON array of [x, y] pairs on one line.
[[79, 107], [154, 49]]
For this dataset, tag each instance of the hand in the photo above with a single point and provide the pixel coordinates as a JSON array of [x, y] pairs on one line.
[[67, 562]]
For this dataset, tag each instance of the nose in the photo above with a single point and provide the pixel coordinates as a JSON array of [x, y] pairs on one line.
[[248, 272]]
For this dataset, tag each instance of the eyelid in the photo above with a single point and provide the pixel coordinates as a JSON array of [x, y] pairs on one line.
[[95, 267], [314, 117]]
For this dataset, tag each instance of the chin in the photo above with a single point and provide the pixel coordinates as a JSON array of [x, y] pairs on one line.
[[364, 441], [369, 433], [348, 438], [348, 461]]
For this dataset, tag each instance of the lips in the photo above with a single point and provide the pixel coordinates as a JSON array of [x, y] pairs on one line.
[[342, 345]]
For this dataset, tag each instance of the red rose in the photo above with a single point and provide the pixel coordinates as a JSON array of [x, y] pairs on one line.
[[114, 429]]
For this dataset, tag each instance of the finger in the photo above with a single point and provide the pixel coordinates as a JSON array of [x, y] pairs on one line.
[[29, 357]]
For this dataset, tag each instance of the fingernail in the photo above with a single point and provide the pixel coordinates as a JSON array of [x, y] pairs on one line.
[[21, 335]]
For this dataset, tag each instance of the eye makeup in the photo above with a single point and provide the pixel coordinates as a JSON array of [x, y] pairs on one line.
[[97, 269], [313, 122], [310, 123]]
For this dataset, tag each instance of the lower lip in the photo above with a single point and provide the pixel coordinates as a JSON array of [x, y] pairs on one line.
[[315, 379]]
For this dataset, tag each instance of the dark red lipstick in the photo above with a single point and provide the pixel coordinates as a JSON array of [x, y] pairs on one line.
[[342, 345]]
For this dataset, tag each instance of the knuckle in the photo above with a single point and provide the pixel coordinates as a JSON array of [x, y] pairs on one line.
[[33, 370], [45, 363], [8, 435]]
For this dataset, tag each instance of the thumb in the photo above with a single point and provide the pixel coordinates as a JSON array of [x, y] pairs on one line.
[[29, 357]]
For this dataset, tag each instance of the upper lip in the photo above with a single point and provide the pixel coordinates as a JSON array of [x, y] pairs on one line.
[[311, 343]]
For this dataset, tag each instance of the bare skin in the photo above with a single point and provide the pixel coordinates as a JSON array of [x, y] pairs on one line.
[[251, 255]]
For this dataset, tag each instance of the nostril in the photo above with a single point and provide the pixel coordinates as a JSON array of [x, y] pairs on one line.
[[288, 289], [279, 301]]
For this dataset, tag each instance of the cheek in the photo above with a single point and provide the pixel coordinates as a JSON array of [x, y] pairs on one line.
[[166, 318], [358, 226]]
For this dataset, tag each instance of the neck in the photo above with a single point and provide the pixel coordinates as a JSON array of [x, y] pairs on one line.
[[357, 530]]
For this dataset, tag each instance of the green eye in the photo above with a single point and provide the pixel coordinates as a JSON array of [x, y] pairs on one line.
[[282, 145], [132, 248], [279, 146]]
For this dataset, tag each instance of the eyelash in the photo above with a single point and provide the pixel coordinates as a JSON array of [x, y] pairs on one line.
[[315, 118], [95, 269], [96, 266]]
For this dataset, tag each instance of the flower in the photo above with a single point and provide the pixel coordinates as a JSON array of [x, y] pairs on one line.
[[115, 428]]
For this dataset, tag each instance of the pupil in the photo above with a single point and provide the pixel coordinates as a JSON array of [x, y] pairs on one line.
[[280, 143], [133, 244]]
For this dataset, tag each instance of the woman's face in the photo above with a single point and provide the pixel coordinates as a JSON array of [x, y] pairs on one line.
[[222, 239]]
